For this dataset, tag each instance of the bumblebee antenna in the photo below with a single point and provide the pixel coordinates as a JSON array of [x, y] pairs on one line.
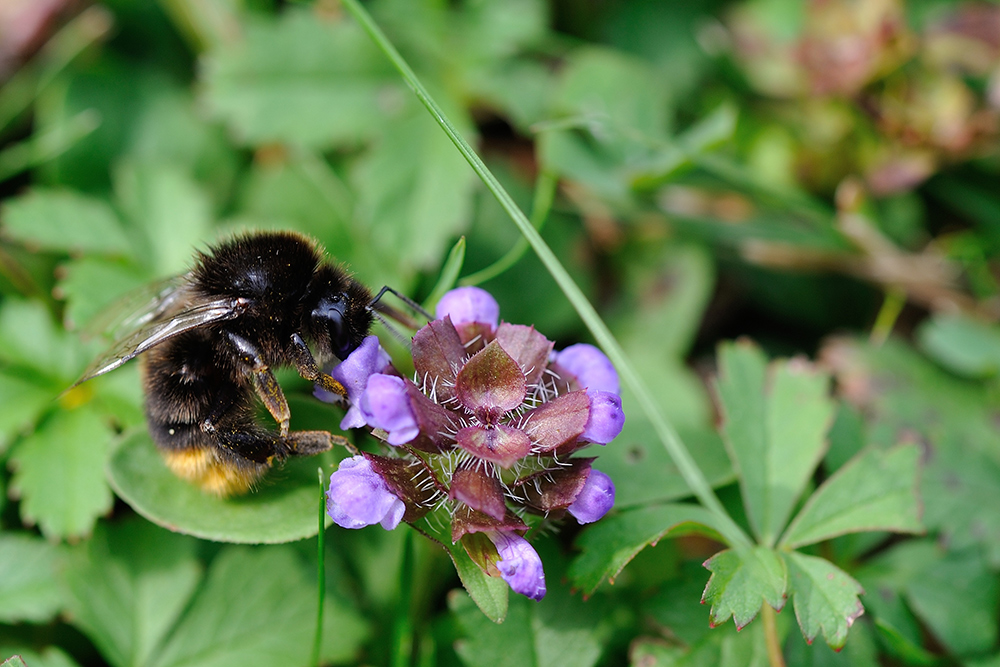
[[376, 306]]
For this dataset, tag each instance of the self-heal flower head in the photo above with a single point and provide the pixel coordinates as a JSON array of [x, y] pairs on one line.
[[596, 497], [485, 432], [519, 564], [358, 496]]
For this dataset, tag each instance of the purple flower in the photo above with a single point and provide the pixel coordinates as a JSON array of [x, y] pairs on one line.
[[466, 305], [593, 370], [385, 404], [606, 418], [596, 497], [353, 372], [519, 564], [359, 497]]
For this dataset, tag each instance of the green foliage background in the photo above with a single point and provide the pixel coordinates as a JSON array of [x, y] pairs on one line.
[[819, 177]]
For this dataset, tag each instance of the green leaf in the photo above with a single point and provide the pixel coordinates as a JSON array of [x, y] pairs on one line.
[[825, 598], [490, 594], [30, 339], [742, 582], [28, 588], [13, 661], [302, 81], [50, 656], [172, 211], [963, 345], [129, 585], [21, 402], [559, 630], [281, 510], [258, 607], [59, 473], [876, 490], [64, 221], [612, 543], [775, 425], [449, 274], [91, 284], [414, 190]]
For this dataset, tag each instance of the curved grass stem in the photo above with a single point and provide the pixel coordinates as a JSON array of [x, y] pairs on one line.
[[686, 465]]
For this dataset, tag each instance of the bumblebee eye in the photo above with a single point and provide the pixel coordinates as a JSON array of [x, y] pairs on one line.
[[330, 315]]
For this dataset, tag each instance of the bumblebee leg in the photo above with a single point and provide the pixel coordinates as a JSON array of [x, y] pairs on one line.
[[307, 443], [307, 367], [264, 382], [269, 391]]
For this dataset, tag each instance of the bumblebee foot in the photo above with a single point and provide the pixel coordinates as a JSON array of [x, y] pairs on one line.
[[307, 443]]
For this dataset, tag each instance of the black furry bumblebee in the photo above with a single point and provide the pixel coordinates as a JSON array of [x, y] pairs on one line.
[[213, 336]]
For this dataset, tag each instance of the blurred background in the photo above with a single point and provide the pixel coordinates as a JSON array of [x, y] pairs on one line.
[[821, 176]]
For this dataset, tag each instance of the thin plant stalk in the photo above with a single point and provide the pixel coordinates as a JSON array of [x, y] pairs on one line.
[[686, 465], [775, 657], [320, 570]]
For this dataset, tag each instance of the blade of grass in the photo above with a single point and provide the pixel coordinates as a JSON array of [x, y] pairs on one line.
[[320, 570], [686, 465]]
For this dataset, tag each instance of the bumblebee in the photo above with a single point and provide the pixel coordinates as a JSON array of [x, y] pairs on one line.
[[212, 338]]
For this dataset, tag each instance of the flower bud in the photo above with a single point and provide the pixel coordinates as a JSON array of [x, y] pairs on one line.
[[596, 497], [519, 564], [359, 497], [593, 370], [606, 418]]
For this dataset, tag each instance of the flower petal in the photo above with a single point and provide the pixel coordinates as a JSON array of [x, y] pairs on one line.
[[490, 384], [519, 564], [353, 372], [592, 369], [465, 305], [606, 417], [501, 444], [595, 499], [385, 404], [359, 497]]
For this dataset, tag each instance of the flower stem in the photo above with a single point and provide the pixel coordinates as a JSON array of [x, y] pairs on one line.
[[686, 465], [320, 569], [774, 655]]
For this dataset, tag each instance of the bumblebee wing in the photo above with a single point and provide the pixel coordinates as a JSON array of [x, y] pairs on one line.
[[138, 307], [152, 331]]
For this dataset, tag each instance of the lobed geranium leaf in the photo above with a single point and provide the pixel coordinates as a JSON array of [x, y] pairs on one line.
[[775, 422], [28, 587], [258, 607], [21, 402], [64, 221], [282, 509], [876, 490], [609, 545], [825, 598], [302, 81], [742, 581], [59, 473], [128, 585]]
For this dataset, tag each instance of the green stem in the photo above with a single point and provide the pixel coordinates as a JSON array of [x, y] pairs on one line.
[[403, 628], [774, 654], [686, 465], [545, 193], [892, 306], [320, 570]]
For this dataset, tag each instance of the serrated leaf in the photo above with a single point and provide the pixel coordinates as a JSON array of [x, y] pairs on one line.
[[414, 189], [612, 543], [64, 221], [21, 402], [30, 338], [281, 510], [13, 661], [825, 598], [876, 490], [742, 581], [28, 588], [172, 211], [59, 473], [128, 586], [89, 285], [301, 80], [258, 607], [50, 656], [775, 422]]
